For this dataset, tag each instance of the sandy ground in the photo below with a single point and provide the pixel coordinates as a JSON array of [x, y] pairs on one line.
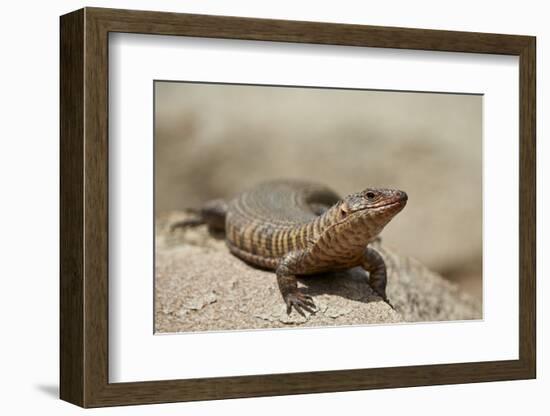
[[200, 286]]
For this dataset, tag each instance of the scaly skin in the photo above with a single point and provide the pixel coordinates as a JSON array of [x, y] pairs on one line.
[[299, 228]]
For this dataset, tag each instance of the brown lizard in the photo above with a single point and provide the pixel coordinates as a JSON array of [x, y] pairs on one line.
[[299, 228]]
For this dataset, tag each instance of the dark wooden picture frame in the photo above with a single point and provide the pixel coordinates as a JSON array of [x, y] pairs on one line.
[[84, 207]]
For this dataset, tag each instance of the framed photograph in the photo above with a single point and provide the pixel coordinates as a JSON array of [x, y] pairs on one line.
[[254, 207]]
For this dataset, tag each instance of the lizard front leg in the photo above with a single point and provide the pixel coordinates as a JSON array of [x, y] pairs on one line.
[[375, 265], [288, 285]]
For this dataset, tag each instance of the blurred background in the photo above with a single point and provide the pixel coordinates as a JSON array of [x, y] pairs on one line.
[[214, 140]]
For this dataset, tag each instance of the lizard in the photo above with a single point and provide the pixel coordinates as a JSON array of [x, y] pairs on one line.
[[300, 228]]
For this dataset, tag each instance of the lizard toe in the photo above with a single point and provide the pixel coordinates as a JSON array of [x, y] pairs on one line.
[[300, 303]]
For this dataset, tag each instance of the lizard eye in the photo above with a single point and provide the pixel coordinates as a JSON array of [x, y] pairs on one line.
[[370, 195]]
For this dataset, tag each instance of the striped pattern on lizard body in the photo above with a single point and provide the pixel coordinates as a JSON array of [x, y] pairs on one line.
[[299, 228]]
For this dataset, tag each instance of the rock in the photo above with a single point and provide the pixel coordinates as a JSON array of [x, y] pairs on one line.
[[200, 286]]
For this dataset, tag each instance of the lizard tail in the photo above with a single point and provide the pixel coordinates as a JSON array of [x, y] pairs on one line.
[[189, 222], [212, 214]]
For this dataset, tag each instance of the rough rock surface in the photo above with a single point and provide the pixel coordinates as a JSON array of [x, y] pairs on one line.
[[200, 286]]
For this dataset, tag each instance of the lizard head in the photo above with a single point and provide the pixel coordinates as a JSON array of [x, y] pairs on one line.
[[374, 203], [364, 214]]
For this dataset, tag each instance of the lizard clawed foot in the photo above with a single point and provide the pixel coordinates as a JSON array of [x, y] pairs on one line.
[[300, 302], [389, 303], [382, 294], [384, 298]]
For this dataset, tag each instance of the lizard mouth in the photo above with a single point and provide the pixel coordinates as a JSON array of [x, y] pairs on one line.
[[390, 205], [399, 199]]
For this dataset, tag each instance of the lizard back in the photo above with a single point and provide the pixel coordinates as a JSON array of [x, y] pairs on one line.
[[273, 218]]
